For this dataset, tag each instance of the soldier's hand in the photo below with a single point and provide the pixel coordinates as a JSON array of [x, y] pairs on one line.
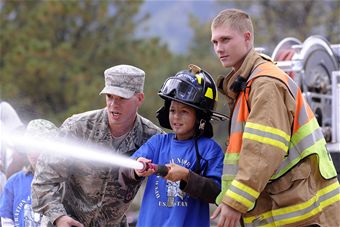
[[66, 221]]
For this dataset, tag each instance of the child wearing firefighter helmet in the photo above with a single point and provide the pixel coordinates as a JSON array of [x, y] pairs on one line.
[[194, 160]]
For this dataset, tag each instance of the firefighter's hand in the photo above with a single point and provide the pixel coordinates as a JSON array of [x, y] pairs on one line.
[[177, 172], [229, 217], [144, 173], [66, 221]]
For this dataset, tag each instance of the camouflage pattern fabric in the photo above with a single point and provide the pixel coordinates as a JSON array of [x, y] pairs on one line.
[[94, 194], [123, 81], [41, 128]]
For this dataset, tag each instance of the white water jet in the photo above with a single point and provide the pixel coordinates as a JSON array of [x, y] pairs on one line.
[[68, 149]]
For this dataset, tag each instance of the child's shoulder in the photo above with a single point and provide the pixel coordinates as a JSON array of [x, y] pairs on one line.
[[16, 177], [211, 147], [164, 135], [161, 137], [208, 141]]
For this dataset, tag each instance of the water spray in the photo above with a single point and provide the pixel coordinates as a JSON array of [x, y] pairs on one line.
[[68, 149]]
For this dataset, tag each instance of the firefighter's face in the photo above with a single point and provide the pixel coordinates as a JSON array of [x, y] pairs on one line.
[[230, 45], [182, 119], [121, 111]]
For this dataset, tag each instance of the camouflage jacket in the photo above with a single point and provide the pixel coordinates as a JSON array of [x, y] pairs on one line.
[[94, 194]]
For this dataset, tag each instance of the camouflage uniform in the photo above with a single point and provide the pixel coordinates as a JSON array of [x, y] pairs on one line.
[[95, 195]]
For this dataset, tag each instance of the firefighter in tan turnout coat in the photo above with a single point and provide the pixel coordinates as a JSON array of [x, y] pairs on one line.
[[277, 170]]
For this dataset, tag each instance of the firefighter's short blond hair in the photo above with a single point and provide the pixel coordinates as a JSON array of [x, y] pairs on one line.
[[236, 19]]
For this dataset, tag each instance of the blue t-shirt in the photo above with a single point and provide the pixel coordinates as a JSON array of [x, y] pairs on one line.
[[164, 204], [15, 201]]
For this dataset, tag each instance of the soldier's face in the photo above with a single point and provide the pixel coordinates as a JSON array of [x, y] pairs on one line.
[[122, 111]]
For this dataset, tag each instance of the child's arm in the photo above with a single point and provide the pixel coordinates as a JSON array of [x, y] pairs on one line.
[[177, 172], [195, 185], [201, 187]]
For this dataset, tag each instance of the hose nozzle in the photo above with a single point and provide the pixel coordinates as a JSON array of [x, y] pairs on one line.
[[160, 170]]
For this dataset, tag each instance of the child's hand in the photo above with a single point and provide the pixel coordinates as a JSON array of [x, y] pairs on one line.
[[144, 173], [177, 172]]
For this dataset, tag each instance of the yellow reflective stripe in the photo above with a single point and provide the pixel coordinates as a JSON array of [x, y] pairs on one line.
[[307, 203], [317, 146], [242, 193], [245, 188], [231, 158], [239, 198], [299, 207], [209, 93], [318, 209], [304, 131], [313, 212], [228, 177], [265, 140], [268, 129], [226, 182]]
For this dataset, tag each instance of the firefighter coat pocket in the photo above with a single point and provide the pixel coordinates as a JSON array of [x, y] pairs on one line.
[[293, 187]]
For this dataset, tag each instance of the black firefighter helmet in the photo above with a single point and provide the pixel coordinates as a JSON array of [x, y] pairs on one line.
[[193, 87]]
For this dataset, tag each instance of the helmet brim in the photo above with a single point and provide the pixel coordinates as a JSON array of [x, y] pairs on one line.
[[166, 97]]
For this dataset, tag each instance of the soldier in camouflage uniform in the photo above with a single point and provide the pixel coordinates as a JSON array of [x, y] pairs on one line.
[[96, 195]]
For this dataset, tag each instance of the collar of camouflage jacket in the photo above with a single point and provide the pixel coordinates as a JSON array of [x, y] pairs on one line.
[[134, 138]]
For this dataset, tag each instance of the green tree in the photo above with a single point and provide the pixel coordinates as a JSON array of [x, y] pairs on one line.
[[275, 20], [53, 54]]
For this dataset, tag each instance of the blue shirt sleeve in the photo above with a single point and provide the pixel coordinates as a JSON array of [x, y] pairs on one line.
[[6, 200], [213, 165]]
